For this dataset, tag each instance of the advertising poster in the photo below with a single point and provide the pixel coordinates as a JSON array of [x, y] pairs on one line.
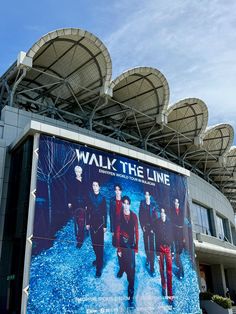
[[111, 235]]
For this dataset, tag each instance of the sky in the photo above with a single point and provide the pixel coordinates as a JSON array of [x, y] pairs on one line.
[[192, 42]]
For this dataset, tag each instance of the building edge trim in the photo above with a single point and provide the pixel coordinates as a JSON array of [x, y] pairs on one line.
[[80, 137]]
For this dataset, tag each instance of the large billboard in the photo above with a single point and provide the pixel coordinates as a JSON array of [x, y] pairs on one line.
[[111, 234]]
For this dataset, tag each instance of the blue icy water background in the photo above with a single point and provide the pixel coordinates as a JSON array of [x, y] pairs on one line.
[[62, 281]]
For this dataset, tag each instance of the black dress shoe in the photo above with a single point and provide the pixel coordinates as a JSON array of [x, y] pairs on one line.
[[171, 301], [153, 273], [98, 274], [163, 292], [119, 274], [131, 303], [94, 263]]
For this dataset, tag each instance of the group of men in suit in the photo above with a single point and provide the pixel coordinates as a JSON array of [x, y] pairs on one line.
[[162, 232]]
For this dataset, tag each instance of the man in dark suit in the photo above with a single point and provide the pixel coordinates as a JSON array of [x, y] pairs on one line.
[[115, 211], [96, 222], [77, 202], [127, 244], [147, 216], [177, 219]]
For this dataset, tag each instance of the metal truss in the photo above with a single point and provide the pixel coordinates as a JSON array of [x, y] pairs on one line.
[[93, 110]]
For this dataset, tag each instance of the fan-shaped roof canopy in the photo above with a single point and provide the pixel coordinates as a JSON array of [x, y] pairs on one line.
[[70, 66], [225, 176], [139, 95], [231, 158], [187, 119], [188, 116], [217, 141], [142, 88]]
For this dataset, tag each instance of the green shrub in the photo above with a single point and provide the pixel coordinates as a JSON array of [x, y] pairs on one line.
[[226, 303], [205, 295]]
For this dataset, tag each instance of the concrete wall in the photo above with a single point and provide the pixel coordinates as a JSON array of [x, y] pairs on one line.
[[3, 188], [9, 130], [208, 196]]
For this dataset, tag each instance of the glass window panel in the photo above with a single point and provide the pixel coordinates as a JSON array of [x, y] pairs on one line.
[[201, 219], [225, 229], [220, 226], [195, 215]]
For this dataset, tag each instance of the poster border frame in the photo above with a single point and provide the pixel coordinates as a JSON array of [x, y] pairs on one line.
[[30, 223], [83, 139]]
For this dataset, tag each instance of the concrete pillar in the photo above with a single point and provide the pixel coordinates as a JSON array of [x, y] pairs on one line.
[[3, 190], [231, 274], [218, 279], [198, 272]]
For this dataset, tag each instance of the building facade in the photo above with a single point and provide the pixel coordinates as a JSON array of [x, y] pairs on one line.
[[62, 87]]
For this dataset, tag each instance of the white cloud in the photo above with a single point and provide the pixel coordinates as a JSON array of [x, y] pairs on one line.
[[192, 42]]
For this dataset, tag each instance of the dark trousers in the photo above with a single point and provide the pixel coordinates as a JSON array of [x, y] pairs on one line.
[[114, 240], [178, 250], [179, 265], [120, 263], [165, 258], [127, 265], [148, 238], [119, 258], [79, 224], [98, 246]]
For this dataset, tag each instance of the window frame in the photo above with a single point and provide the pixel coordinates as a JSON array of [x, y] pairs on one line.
[[201, 212]]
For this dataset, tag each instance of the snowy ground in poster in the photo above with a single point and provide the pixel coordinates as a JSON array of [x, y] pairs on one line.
[[62, 281]]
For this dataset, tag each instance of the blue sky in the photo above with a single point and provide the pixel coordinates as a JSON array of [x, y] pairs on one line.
[[192, 42]]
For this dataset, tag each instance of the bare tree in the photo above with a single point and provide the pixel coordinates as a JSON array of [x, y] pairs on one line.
[[54, 161]]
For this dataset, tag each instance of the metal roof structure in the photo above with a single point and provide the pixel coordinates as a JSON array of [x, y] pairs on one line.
[[66, 75], [138, 96], [217, 141], [186, 122], [70, 67]]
